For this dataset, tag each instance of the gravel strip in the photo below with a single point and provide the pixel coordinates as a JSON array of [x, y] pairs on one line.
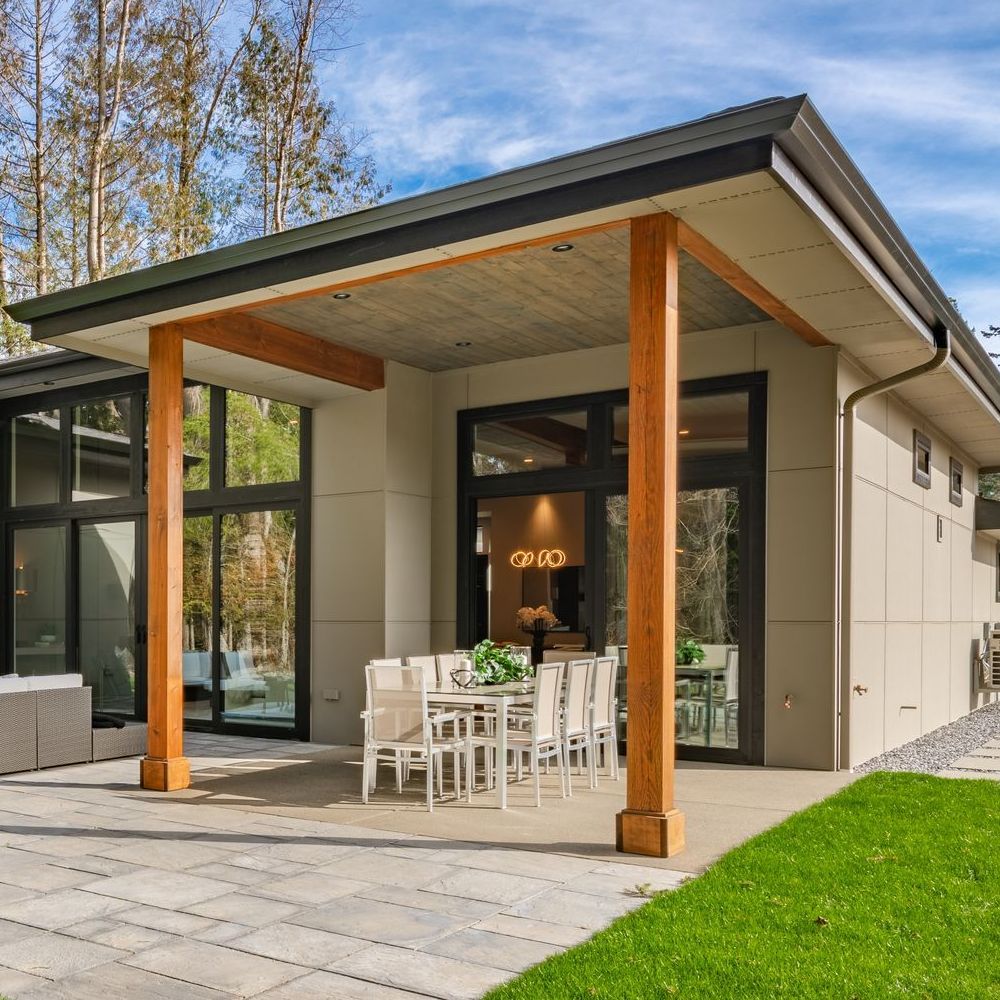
[[935, 751]]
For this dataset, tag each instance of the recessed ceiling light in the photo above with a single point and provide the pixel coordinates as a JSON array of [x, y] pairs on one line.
[[463, 343], [528, 460], [341, 295], [683, 432], [48, 382], [562, 247]]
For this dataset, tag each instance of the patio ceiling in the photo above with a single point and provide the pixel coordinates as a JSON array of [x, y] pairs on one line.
[[515, 305]]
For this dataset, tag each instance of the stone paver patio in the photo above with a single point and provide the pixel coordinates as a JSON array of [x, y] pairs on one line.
[[108, 891]]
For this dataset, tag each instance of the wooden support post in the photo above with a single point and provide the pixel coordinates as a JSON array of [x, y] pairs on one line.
[[650, 824], [164, 768]]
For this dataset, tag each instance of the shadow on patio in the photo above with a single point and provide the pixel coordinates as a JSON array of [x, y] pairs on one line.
[[724, 804]]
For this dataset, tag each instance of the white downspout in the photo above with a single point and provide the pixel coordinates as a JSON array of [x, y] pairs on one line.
[[942, 352]]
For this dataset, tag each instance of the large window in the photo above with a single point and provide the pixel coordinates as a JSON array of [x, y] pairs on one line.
[[197, 603], [262, 440], [39, 592], [35, 454], [102, 449], [257, 638]]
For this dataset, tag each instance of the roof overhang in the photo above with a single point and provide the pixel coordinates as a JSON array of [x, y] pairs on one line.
[[768, 184]]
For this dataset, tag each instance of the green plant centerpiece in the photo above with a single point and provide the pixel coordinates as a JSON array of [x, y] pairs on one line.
[[689, 651], [493, 664]]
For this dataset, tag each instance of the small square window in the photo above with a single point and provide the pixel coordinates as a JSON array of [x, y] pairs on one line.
[[921, 460], [955, 482]]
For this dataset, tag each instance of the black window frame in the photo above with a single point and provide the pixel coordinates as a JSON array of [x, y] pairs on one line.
[[215, 501]]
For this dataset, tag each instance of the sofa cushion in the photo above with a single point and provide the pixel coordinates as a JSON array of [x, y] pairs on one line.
[[10, 683], [49, 682]]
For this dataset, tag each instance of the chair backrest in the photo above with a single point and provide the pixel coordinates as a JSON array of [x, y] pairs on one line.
[[605, 684], [428, 664], [577, 694], [732, 674], [192, 666], [397, 702], [524, 651], [231, 666], [566, 655], [446, 663], [715, 654], [548, 698], [387, 661]]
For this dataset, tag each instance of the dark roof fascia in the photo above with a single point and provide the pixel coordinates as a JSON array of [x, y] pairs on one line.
[[721, 146], [816, 151], [55, 367]]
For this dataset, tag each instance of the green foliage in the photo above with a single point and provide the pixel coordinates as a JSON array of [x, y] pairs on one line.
[[495, 664], [689, 651], [891, 888], [262, 440]]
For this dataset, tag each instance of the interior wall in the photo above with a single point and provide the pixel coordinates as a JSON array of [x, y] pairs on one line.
[[546, 521], [917, 601]]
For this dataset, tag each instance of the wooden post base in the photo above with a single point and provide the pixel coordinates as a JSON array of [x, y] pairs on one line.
[[164, 775], [656, 835]]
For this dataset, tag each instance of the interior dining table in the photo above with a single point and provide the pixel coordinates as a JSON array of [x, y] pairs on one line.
[[497, 698], [708, 676]]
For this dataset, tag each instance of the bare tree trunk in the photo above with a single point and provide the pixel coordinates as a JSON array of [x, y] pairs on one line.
[[40, 166]]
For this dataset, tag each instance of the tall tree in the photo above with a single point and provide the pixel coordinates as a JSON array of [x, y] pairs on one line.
[[303, 161], [193, 61]]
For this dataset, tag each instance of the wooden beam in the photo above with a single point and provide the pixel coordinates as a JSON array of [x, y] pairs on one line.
[[705, 252], [650, 824], [251, 337], [164, 768]]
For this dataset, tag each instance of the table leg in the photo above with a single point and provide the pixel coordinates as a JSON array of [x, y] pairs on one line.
[[708, 709], [501, 769]]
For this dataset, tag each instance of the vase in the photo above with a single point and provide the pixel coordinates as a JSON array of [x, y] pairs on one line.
[[537, 645]]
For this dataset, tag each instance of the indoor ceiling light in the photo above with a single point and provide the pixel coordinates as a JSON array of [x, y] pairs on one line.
[[341, 295], [562, 247], [683, 432]]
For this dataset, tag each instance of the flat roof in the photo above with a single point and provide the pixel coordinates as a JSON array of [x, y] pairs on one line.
[[730, 143]]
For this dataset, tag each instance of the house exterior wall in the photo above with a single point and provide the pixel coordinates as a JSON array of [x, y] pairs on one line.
[[916, 604]]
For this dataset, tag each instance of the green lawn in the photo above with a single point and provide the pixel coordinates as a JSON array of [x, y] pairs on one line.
[[891, 888]]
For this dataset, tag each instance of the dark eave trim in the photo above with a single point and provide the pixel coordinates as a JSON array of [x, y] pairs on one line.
[[717, 146], [34, 370]]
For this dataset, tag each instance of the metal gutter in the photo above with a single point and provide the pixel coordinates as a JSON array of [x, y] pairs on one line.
[[719, 146]]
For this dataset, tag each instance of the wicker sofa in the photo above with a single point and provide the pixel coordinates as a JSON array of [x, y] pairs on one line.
[[46, 722]]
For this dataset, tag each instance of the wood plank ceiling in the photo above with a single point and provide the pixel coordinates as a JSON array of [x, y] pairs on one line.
[[521, 304]]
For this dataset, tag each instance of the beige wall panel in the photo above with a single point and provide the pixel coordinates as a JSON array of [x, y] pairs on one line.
[[961, 573], [904, 561], [707, 353], [964, 645], [408, 430], [592, 370], [867, 707], [348, 566], [349, 444], [902, 683], [450, 393], [935, 686], [870, 445], [407, 558], [800, 545], [984, 579], [799, 655], [936, 498], [801, 405], [407, 638], [442, 636], [340, 652], [899, 444], [868, 553], [966, 514], [444, 557], [936, 569]]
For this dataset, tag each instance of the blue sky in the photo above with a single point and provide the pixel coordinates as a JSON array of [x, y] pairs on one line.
[[455, 89]]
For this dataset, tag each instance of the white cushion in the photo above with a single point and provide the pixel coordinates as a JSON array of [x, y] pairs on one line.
[[51, 681], [9, 684]]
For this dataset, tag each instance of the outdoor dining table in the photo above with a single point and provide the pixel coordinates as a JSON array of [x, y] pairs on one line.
[[708, 676], [497, 698]]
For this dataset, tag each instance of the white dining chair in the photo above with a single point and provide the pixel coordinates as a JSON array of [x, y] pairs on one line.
[[397, 721], [428, 664], [577, 730], [603, 713], [543, 738]]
